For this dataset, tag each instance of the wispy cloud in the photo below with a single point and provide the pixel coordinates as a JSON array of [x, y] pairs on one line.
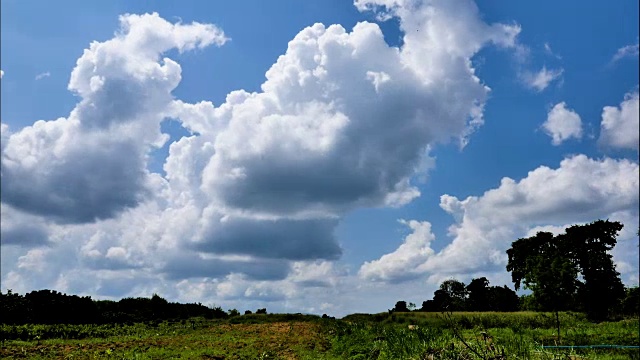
[[549, 51], [626, 51], [43, 75], [541, 79]]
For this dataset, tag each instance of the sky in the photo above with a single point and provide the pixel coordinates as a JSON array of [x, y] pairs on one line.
[[321, 156]]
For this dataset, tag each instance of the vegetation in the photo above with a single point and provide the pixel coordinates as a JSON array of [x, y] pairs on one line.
[[411, 335]]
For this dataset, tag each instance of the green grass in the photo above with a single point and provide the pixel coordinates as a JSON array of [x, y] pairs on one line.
[[294, 336]]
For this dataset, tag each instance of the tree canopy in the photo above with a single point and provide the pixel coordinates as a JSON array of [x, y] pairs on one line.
[[573, 270]]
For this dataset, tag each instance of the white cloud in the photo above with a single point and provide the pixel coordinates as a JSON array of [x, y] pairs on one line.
[[43, 75], [580, 190], [1, 74], [620, 125], [250, 200], [626, 51], [92, 165], [562, 124], [542, 79], [404, 263]]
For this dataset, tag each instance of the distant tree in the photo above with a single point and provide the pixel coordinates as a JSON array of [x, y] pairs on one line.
[[261, 311], [631, 301], [501, 298], [451, 296], [401, 306], [159, 307], [527, 303], [248, 312], [549, 265], [429, 305], [478, 292], [233, 312], [14, 308]]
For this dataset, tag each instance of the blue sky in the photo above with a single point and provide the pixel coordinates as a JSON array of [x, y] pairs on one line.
[[353, 185]]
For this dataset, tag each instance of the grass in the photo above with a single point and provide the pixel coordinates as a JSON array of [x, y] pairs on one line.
[[360, 336]]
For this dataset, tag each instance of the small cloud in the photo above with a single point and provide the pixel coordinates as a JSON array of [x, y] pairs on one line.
[[540, 80], [43, 75], [549, 51], [620, 125], [1, 74], [626, 51], [562, 123]]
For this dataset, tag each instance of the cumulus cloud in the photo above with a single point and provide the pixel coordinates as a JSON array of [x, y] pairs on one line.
[[625, 52], [252, 196], [542, 79], [92, 164], [404, 263], [343, 121], [580, 190], [562, 124], [1, 74], [620, 125]]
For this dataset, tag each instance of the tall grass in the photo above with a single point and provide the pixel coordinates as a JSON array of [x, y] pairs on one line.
[[486, 335]]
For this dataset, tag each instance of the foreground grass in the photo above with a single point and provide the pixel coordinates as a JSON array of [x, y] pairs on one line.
[[379, 336]]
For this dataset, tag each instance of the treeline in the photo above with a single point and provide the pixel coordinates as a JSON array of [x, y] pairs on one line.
[[454, 295], [52, 307]]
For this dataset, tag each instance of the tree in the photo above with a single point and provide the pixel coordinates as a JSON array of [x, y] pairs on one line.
[[401, 306], [549, 265], [451, 296], [631, 302], [478, 290], [539, 263], [482, 297], [590, 245], [503, 299]]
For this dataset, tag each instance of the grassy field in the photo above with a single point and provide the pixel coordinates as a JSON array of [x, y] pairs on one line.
[[359, 336]]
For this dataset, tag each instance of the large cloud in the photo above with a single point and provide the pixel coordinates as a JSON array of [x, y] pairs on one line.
[[579, 191], [252, 196], [343, 121], [92, 165], [620, 127]]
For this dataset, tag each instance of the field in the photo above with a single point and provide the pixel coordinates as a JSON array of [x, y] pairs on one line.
[[360, 336]]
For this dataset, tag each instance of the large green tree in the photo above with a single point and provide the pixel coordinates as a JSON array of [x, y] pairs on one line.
[[550, 265]]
